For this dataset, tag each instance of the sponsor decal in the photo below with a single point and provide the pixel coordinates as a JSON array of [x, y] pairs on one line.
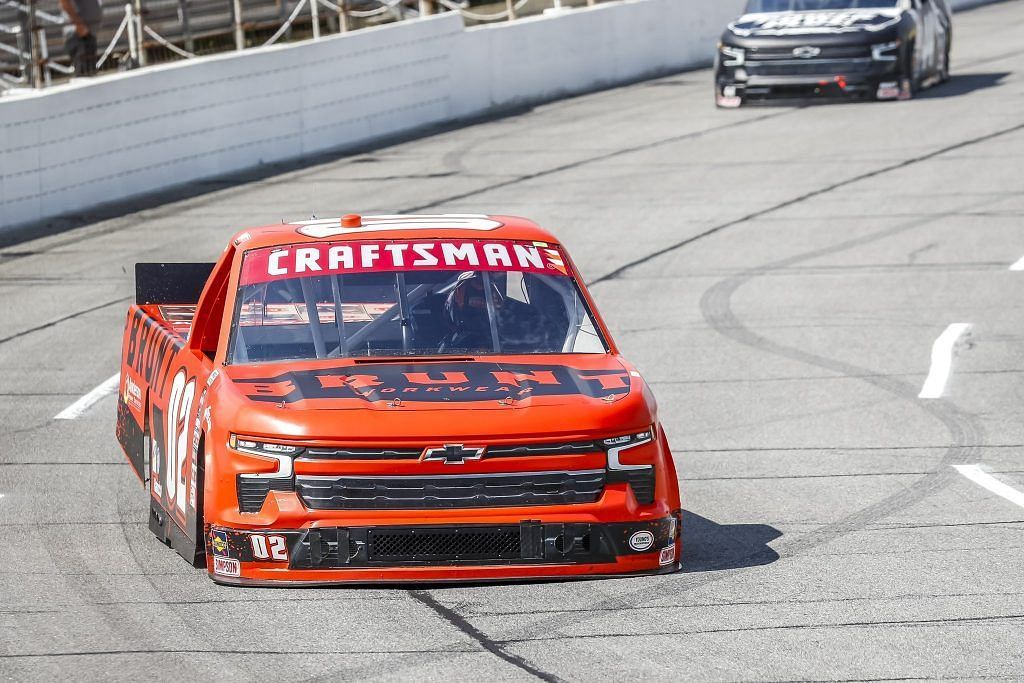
[[219, 543], [436, 382], [132, 394], [277, 263], [813, 22], [888, 90], [641, 541], [226, 567], [667, 556]]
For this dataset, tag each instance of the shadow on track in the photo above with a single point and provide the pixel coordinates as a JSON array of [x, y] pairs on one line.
[[964, 84]]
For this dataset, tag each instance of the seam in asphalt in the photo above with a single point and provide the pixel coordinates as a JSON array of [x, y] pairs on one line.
[[58, 321], [902, 623]]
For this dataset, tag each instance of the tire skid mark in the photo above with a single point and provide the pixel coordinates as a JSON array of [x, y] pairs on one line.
[[460, 622], [810, 195]]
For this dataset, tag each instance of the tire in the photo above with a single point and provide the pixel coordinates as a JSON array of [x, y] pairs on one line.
[[944, 71], [910, 81]]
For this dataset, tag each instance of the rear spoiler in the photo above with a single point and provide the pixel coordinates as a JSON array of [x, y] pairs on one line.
[[170, 283]]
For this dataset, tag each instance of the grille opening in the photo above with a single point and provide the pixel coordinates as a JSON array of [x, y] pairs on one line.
[[253, 492], [451, 491], [444, 544]]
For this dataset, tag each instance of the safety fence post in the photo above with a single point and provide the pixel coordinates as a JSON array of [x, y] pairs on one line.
[[314, 14], [236, 8], [426, 8], [186, 26], [511, 9], [343, 25], [133, 37], [140, 32], [44, 56], [35, 68]]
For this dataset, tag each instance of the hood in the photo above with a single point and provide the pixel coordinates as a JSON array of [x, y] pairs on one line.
[[815, 23], [571, 395]]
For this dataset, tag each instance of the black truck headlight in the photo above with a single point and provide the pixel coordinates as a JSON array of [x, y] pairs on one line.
[[732, 56], [885, 52]]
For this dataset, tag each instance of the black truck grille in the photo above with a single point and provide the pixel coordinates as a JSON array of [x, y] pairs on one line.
[[431, 545], [827, 52], [451, 491], [810, 67]]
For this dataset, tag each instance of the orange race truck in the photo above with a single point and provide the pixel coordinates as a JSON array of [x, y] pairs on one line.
[[384, 399]]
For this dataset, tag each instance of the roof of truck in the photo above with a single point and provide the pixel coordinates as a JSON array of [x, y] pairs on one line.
[[354, 227]]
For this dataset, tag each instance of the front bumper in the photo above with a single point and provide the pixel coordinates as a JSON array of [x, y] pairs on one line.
[[803, 79], [529, 549]]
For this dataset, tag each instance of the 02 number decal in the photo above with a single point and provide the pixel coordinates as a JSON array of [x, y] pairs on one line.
[[269, 547], [179, 404]]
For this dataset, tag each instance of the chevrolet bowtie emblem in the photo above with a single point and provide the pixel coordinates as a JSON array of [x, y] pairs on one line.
[[454, 454], [806, 52]]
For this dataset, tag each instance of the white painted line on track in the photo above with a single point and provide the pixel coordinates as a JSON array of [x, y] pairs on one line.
[[1019, 265], [942, 361], [78, 408], [982, 478]]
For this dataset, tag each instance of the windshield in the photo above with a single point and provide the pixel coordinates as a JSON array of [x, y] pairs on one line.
[[398, 298], [757, 6]]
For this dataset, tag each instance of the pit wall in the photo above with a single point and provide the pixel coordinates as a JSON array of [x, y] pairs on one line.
[[68, 149]]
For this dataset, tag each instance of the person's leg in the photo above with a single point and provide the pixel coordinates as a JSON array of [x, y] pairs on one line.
[[89, 55], [73, 46]]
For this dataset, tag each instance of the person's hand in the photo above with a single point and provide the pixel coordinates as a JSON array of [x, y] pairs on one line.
[[81, 29]]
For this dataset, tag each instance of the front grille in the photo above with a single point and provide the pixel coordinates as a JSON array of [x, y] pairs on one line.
[[498, 451], [810, 67], [431, 545], [252, 492], [451, 491], [836, 52]]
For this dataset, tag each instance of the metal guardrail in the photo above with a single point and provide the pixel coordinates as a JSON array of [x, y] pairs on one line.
[[144, 32]]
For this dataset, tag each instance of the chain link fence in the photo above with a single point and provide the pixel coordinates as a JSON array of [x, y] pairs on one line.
[[33, 33]]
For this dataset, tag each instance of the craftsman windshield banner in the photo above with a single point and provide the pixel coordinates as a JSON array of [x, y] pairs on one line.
[[308, 260]]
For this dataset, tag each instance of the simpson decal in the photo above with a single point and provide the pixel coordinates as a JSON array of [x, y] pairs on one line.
[[436, 382], [276, 263], [667, 556], [226, 567]]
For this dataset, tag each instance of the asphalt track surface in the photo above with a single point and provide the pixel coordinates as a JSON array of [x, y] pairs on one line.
[[779, 274]]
